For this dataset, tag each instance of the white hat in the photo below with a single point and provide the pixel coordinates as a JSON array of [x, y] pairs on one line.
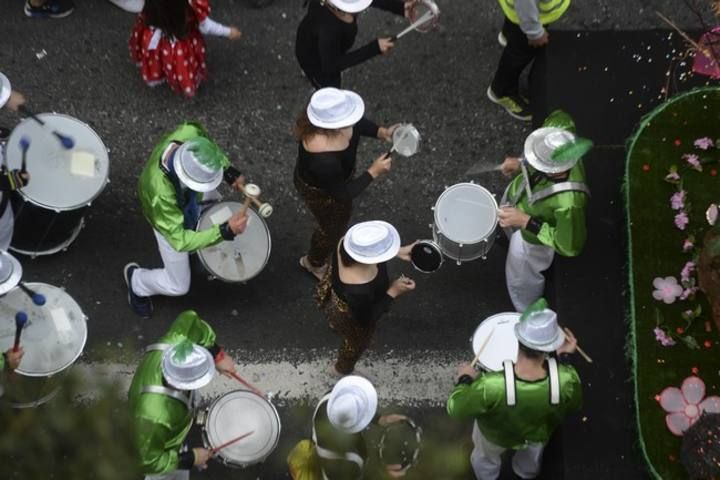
[[540, 331], [187, 366], [197, 166], [5, 90], [540, 146], [10, 271], [372, 242], [351, 6], [352, 404], [332, 108]]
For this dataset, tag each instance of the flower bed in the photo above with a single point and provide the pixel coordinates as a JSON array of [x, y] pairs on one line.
[[672, 180]]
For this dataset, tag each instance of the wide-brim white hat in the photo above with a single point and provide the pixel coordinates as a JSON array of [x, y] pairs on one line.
[[332, 108], [195, 371], [351, 6], [540, 146], [372, 242], [10, 272], [352, 404], [183, 157], [5, 90], [540, 331]]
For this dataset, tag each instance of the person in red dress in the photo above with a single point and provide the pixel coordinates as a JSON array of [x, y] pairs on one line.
[[167, 43]]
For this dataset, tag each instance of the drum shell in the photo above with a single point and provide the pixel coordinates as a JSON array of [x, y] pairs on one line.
[[23, 391], [463, 252], [432, 245]]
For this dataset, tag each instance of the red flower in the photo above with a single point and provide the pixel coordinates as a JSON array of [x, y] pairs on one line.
[[680, 330], [713, 172], [677, 142], [707, 343], [657, 398], [646, 167], [671, 457], [694, 370]]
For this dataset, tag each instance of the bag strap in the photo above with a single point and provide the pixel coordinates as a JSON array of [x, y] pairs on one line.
[[510, 393], [554, 381], [329, 454], [560, 187]]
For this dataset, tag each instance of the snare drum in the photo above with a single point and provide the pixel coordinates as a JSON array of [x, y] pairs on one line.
[[244, 257], [53, 339], [502, 344], [465, 222], [49, 211], [234, 414], [426, 256]]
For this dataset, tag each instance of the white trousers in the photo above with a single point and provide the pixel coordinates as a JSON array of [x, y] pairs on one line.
[[171, 280], [486, 458], [6, 226], [176, 475], [523, 270]]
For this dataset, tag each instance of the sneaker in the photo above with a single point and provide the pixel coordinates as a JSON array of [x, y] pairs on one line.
[[142, 306], [515, 105], [50, 9], [502, 40], [132, 6]]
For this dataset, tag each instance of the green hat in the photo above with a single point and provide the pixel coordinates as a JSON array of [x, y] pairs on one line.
[[555, 150]]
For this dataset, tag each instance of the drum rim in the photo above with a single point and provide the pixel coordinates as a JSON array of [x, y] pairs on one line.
[[219, 456], [79, 205], [202, 257], [516, 315], [36, 286], [432, 244], [469, 257], [445, 193], [418, 437]]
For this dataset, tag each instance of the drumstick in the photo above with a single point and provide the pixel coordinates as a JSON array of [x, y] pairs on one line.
[[37, 298], [246, 204], [478, 169], [579, 350], [247, 384], [24, 146], [20, 321], [67, 142], [420, 21], [253, 198], [482, 347], [228, 443]]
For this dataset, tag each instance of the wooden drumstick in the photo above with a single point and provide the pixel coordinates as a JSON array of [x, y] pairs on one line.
[[577, 347], [246, 205], [482, 347], [230, 442]]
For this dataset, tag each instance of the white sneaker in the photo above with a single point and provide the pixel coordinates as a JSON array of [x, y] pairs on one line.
[[501, 39], [132, 6]]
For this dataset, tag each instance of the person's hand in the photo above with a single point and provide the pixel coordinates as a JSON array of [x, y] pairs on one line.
[[238, 184], [381, 165], [226, 366], [13, 358], [410, 9], [540, 42], [512, 217], [238, 222], [386, 133], [385, 45], [202, 455], [395, 470], [510, 166], [400, 286], [235, 34], [16, 99], [404, 252], [466, 369], [570, 344], [386, 420]]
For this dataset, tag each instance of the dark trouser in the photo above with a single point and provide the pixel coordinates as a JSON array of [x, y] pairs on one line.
[[516, 56], [356, 337], [320, 80], [332, 217]]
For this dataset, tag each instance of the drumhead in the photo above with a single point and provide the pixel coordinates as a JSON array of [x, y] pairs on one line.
[[503, 344], [60, 179], [53, 337], [406, 140], [400, 444], [466, 213], [239, 412], [244, 257], [426, 256]]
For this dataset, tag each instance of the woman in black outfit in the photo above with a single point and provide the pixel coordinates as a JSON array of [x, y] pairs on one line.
[[327, 33], [328, 134]]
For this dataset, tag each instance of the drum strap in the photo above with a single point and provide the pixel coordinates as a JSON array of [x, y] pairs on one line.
[[559, 188], [329, 454], [554, 381], [176, 394], [510, 392], [4, 201]]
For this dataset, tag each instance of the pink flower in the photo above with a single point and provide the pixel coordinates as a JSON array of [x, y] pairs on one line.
[[688, 245], [663, 337], [703, 143], [677, 200], [684, 405], [681, 220], [666, 289], [711, 214], [693, 161], [672, 177], [688, 293], [687, 270]]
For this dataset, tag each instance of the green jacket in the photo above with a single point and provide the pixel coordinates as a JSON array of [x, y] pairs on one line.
[[159, 200], [532, 420], [161, 423]]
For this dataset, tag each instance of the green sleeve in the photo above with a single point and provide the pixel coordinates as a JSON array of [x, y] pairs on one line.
[[169, 221], [189, 325], [467, 401], [572, 388], [568, 235], [151, 438]]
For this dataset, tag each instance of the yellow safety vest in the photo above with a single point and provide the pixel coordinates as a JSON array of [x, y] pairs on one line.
[[550, 10]]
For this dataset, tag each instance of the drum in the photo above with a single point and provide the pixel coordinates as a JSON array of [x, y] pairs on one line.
[[244, 257], [497, 334], [53, 339], [49, 211], [400, 444], [234, 414], [465, 222], [426, 256]]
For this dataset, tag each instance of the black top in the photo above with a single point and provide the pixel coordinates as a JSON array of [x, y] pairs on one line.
[[331, 438], [323, 42], [367, 301], [332, 171]]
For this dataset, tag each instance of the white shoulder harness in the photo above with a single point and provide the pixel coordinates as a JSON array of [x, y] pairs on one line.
[[511, 394]]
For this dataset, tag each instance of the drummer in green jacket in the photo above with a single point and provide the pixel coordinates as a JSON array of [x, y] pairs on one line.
[[519, 408], [161, 396], [184, 169], [544, 206]]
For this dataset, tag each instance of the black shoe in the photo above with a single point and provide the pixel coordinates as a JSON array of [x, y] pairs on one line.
[[50, 9], [142, 306]]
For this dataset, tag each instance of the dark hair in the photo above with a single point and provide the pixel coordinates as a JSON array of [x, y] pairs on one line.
[[170, 16], [303, 129], [345, 257], [531, 353]]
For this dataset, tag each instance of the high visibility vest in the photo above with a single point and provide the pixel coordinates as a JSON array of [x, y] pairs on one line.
[[550, 10]]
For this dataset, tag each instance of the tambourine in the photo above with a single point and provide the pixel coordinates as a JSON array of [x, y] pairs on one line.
[[422, 7], [401, 443]]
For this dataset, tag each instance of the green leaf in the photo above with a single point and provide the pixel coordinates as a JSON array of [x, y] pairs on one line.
[[572, 150], [540, 304], [690, 342], [182, 350]]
